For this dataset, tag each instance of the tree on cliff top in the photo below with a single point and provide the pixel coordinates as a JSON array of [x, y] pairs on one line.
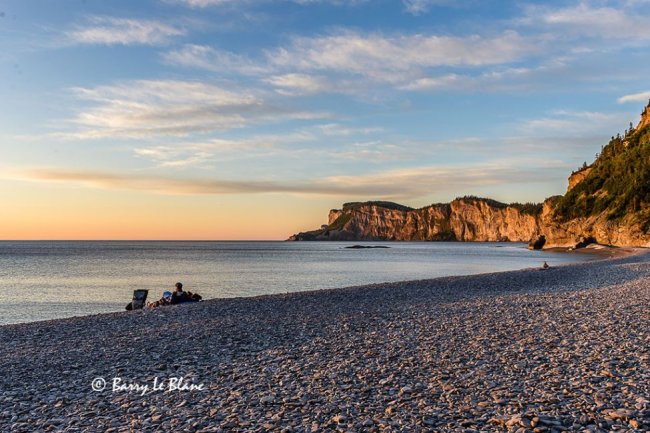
[[618, 184]]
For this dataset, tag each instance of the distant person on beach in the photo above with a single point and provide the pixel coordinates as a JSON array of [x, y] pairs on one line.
[[166, 299], [177, 297]]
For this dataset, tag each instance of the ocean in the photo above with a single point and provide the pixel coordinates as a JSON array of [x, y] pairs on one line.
[[57, 279]]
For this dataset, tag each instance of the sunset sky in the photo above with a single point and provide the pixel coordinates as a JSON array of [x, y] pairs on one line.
[[250, 119]]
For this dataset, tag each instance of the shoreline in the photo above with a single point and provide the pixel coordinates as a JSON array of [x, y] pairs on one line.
[[605, 251], [601, 251], [565, 349]]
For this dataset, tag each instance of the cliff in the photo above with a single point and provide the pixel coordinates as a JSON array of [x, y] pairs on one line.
[[645, 117], [577, 177], [464, 219], [606, 202], [609, 201]]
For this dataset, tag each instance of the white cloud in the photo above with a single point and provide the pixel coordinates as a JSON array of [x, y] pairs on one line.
[[123, 31], [211, 59], [300, 84], [432, 83], [423, 181], [392, 184], [585, 19], [220, 149], [571, 123], [388, 59], [417, 7], [491, 80], [335, 129], [208, 3], [635, 97], [354, 63], [168, 107], [371, 151]]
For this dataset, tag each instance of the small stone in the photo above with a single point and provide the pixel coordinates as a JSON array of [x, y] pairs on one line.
[[621, 414], [267, 399]]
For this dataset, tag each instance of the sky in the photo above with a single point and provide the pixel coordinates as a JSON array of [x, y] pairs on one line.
[[250, 119]]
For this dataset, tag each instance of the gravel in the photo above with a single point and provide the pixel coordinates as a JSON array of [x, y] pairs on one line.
[[564, 349]]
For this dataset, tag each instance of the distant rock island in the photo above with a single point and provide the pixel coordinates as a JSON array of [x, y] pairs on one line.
[[606, 202]]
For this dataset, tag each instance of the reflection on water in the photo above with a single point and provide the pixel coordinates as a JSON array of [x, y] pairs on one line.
[[47, 280]]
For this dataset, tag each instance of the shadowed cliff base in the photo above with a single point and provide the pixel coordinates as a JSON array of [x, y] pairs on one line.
[[607, 202]]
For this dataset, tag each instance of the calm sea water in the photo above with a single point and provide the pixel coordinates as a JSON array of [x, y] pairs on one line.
[[49, 280]]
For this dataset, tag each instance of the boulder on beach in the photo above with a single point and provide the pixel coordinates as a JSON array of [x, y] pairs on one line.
[[537, 243]]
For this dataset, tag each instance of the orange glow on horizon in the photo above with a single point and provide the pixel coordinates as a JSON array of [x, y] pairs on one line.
[[53, 212]]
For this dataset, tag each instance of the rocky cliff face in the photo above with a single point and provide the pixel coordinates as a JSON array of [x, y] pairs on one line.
[[645, 117], [578, 177], [593, 229], [464, 219], [607, 202]]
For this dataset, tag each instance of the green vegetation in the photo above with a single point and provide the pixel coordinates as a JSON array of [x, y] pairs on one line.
[[525, 208], [385, 204], [618, 184], [309, 236], [533, 209], [340, 222], [489, 201]]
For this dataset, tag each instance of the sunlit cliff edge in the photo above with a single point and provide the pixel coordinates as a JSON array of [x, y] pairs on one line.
[[607, 202]]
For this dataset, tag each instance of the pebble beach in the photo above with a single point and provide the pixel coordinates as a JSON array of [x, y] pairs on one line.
[[563, 349]]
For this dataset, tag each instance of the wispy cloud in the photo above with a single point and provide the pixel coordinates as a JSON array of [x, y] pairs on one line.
[[342, 143], [335, 129], [490, 80], [300, 84], [551, 46], [122, 31], [417, 7], [371, 151], [592, 19], [575, 122], [207, 3], [433, 83], [382, 58], [635, 97], [388, 58], [392, 184], [168, 107], [204, 153], [212, 59]]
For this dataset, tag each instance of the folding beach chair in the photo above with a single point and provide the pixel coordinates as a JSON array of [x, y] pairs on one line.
[[139, 298]]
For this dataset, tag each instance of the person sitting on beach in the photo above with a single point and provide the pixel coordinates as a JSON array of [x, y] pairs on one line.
[[165, 300], [177, 297]]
